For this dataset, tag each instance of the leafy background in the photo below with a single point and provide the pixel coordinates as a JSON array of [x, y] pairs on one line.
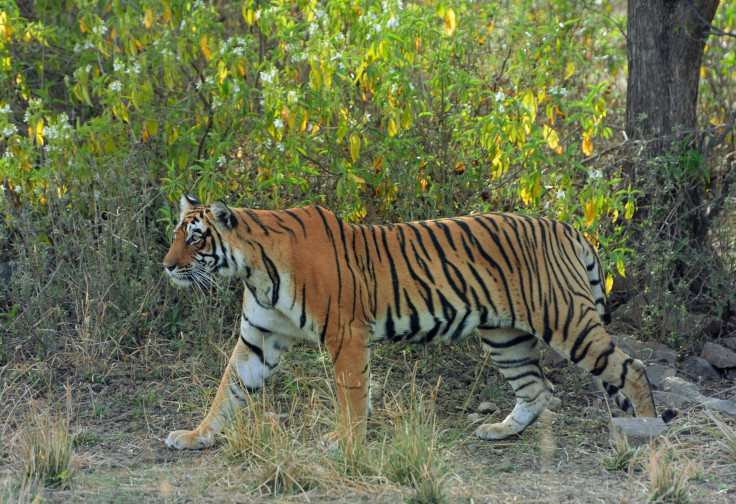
[[381, 111]]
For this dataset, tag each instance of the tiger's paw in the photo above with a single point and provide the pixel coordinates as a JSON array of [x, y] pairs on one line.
[[496, 431], [189, 440], [330, 442]]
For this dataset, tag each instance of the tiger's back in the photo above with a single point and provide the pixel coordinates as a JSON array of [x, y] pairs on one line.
[[516, 279]]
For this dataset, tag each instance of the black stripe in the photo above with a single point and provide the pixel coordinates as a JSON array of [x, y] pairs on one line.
[[509, 343]]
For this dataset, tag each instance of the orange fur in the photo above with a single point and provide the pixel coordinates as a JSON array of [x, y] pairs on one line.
[[311, 276]]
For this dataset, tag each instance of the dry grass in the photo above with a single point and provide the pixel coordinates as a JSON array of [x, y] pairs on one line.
[[413, 457], [727, 434], [46, 448], [271, 448], [668, 474], [623, 457]]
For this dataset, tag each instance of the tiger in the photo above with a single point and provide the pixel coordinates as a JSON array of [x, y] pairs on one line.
[[515, 280]]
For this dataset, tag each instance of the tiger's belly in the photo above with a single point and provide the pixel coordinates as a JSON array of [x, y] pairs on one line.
[[450, 324]]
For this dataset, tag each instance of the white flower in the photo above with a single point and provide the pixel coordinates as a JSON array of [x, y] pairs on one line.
[[17, 189], [118, 66], [278, 123], [102, 29], [5, 109], [2, 187], [221, 161], [268, 76], [116, 86], [88, 69], [500, 96], [555, 91], [392, 23], [560, 194], [136, 69], [595, 174], [501, 109], [291, 96]]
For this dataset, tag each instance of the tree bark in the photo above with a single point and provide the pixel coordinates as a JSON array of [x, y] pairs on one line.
[[666, 39]]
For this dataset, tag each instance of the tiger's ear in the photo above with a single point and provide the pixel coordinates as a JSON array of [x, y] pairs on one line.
[[224, 217], [186, 204]]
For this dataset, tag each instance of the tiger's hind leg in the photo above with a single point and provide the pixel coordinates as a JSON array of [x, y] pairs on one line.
[[517, 356], [624, 378]]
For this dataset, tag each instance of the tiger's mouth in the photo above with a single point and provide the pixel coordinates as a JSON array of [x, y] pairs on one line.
[[185, 277]]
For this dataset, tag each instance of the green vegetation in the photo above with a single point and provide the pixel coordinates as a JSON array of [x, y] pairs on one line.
[[382, 111]]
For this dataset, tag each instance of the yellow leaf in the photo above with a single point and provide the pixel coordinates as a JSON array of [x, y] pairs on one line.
[[553, 140], [354, 147], [530, 103], [221, 71], [590, 212], [587, 145], [205, 48], [450, 22], [144, 134], [39, 132], [83, 25], [360, 182], [391, 127], [406, 118], [629, 210], [148, 18], [609, 283], [620, 267], [570, 70]]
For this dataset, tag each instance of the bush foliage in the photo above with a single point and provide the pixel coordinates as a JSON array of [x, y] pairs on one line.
[[383, 111]]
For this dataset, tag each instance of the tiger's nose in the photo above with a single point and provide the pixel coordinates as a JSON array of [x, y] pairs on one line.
[[169, 265]]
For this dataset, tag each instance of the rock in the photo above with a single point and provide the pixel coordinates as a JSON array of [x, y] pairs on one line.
[[657, 371], [696, 367], [645, 351], [633, 312], [661, 353], [554, 404], [552, 358], [632, 347], [722, 405], [677, 385], [729, 342], [376, 392], [665, 400], [637, 431], [473, 418], [486, 408], [595, 413], [719, 356], [687, 394]]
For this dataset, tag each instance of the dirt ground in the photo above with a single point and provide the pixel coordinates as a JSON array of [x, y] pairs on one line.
[[123, 413]]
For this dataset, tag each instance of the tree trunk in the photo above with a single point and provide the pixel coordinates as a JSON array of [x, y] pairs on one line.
[[666, 39]]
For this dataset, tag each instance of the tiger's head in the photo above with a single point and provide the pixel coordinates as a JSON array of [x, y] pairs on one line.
[[201, 244]]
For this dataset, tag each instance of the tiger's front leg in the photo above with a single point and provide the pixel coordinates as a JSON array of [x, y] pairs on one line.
[[255, 355], [351, 363]]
